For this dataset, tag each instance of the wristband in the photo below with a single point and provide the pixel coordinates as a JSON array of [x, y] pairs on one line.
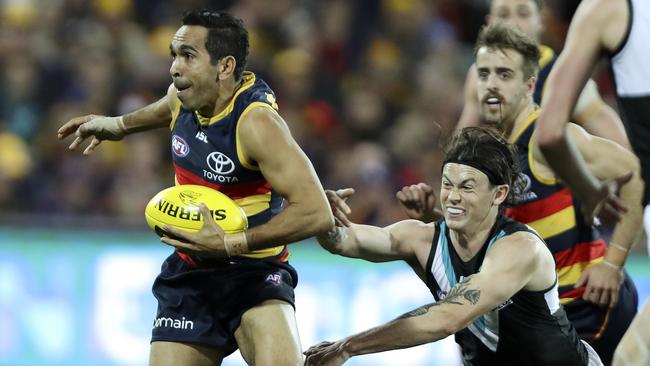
[[121, 125], [619, 247], [610, 264], [235, 244]]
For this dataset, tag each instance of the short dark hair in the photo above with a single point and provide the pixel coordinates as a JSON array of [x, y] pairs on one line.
[[226, 36], [502, 37], [488, 151], [539, 3]]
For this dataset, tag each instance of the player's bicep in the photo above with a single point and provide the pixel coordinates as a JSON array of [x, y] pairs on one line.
[[605, 159], [502, 276], [266, 142]]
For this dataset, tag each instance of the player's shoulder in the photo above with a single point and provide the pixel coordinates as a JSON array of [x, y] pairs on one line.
[[257, 92], [600, 12], [523, 245]]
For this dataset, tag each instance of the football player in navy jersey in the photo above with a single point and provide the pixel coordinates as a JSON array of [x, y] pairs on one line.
[[218, 292], [591, 112]]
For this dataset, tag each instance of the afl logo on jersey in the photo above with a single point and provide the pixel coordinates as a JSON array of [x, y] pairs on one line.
[[525, 185], [180, 147], [220, 163]]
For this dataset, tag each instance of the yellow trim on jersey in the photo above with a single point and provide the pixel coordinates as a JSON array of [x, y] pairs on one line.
[[556, 223], [570, 275], [175, 112], [530, 119], [549, 181], [263, 253], [546, 55], [252, 205], [240, 153], [248, 79]]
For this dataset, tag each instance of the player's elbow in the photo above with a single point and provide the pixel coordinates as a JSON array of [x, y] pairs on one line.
[[325, 222], [452, 325], [321, 221]]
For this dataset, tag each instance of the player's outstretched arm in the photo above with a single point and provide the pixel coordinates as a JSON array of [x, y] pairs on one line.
[[500, 278], [376, 244], [372, 243], [100, 128]]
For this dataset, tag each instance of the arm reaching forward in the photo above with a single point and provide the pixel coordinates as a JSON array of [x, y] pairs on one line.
[[100, 128]]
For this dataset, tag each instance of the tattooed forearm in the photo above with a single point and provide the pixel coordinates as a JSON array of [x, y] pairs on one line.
[[417, 312], [333, 237], [462, 290], [456, 295]]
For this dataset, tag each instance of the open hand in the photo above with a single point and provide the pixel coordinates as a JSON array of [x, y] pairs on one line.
[[602, 284], [326, 354], [100, 128]]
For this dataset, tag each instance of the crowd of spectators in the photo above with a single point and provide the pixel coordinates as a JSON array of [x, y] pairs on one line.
[[369, 88]]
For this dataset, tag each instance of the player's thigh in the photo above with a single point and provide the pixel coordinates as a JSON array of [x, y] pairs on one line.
[[175, 353], [268, 335]]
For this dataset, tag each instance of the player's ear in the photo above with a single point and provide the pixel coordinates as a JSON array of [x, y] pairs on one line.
[[531, 84], [501, 193], [227, 67]]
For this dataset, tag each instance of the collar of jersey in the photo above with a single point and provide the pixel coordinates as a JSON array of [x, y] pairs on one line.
[[248, 79], [531, 118], [546, 55]]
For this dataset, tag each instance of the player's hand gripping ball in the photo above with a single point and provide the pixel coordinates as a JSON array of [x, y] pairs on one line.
[[178, 207]]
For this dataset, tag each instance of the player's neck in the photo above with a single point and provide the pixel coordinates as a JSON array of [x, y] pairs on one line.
[[227, 90], [470, 240], [521, 117]]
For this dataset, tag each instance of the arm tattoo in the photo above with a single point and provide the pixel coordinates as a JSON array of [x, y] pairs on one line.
[[456, 295], [336, 235]]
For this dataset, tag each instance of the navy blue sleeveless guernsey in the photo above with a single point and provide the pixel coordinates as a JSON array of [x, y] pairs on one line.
[[206, 151], [546, 61], [550, 209], [531, 328]]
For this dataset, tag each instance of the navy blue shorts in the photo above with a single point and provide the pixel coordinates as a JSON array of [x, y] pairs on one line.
[[204, 305], [602, 327]]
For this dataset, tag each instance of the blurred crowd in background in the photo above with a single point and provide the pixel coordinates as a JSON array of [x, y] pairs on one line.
[[370, 89]]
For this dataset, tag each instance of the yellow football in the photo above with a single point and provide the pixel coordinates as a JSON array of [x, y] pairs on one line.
[[178, 207]]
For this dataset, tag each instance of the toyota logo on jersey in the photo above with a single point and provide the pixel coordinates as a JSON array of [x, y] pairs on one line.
[[220, 163], [180, 147]]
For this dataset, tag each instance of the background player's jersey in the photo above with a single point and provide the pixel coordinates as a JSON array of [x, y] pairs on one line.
[[632, 77], [546, 61], [206, 151], [530, 328], [550, 208]]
